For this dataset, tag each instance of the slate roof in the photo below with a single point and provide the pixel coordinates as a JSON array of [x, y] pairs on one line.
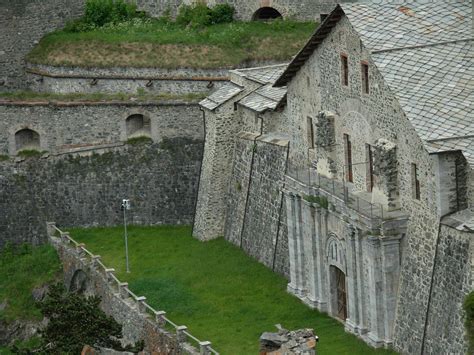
[[424, 50], [264, 98], [263, 75], [393, 25], [223, 94]]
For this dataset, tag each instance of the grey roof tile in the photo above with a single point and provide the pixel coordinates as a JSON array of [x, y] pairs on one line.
[[222, 95], [264, 98]]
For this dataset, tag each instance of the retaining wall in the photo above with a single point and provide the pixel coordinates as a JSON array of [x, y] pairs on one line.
[[86, 189], [65, 80], [255, 218], [22, 24], [68, 125]]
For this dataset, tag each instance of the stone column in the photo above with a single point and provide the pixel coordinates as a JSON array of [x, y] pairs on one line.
[[386, 190], [353, 301], [300, 274], [309, 253], [320, 263], [361, 284], [375, 290], [390, 248], [291, 217]]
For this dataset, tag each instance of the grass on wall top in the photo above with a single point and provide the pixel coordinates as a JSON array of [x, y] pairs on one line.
[[144, 42], [221, 294]]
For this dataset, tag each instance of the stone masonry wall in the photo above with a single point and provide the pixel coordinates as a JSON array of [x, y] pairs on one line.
[[64, 126], [445, 332], [77, 190], [182, 81], [22, 24], [245, 9], [254, 206]]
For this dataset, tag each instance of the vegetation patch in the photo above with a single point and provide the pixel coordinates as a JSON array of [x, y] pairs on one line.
[[199, 38], [139, 140], [22, 269], [469, 322], [140, 96], [320, 200], [4, 157], [30, 153], [220, 293]]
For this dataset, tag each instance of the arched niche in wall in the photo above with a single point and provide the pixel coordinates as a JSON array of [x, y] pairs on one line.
[[266, 13], [137, 125], [79, 282], [27, 139]]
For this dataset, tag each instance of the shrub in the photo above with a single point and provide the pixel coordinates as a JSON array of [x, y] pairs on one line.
[[469, 322], [75, 321], [320, 200], [139, 140], [99, 13], [200, 15], [30, 153], [222, 13]]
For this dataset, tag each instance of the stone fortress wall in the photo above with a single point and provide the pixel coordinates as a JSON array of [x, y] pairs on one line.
[[87, 167]]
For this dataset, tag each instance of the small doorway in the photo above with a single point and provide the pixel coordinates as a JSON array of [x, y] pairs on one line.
[[340, 293]]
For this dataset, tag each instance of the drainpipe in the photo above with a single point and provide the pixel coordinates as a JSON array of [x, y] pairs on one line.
[[250, 181], [200, 167], [281, 207]]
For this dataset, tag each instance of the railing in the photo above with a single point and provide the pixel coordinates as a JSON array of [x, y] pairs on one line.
[[327, 187], [182, 334]]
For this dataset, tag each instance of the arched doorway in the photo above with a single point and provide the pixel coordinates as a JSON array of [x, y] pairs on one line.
[[138, 125], [79, 282], [266, 13], [338, 292]]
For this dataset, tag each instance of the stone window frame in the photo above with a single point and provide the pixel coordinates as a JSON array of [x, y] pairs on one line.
[[43, 138], [349, 172], [364, 69], [415, 182], [344, 69]]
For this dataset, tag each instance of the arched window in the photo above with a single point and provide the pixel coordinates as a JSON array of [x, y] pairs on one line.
[[137, 126], [27, 139], [266, 13]]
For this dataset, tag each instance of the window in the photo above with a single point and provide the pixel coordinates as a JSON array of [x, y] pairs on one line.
[[365, 77], [348, 158], [370, 167], [415, 182], [310, 130], [27, 139], [344, 70]]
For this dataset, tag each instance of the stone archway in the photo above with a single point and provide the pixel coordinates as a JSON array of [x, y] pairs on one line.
[[266, 13], [79, 282]]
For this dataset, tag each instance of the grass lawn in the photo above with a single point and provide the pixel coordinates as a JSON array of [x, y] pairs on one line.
[[158, 43], [20, 272], [221, 294]]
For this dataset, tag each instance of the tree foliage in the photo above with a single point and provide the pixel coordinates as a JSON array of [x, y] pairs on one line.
[[469, 322], [200, 15], [75, 321]]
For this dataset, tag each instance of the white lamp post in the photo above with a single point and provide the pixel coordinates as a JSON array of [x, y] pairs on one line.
[[125, 206]]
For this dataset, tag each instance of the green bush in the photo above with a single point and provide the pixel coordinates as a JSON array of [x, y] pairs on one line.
[[469, 322], [200, 15], [222, 13], [99, 13]]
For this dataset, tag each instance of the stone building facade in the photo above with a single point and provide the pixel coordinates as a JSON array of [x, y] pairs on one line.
[[378, 177]]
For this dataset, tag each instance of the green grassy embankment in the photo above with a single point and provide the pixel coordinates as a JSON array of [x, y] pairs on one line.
[[21, 270], [220, 293], [145, 42]]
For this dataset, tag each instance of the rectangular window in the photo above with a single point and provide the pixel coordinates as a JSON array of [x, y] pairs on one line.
[[365, 77], [415, 182], [370, 167], [310, 132], [344, 70], [348, 158]]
